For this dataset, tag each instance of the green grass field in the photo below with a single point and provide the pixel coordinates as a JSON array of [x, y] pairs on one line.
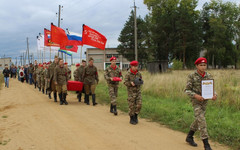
[[164, 101]]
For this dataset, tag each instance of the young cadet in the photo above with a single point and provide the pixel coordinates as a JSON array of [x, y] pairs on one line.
[[193, 90], [113, 71], [133, 81]]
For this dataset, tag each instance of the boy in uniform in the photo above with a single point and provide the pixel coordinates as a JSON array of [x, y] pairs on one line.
[[113, 71], [133, 81], [193, 90]]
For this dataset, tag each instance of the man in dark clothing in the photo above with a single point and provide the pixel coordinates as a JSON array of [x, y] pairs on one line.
[[26, 73], [6, 73]]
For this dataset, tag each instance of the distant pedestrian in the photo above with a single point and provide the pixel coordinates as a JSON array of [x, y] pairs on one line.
[[193, 90], [26, 74], [21, 74], [30, 73], [6, 73], [14, 71]]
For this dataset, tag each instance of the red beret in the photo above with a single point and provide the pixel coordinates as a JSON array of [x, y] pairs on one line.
[[39, 65], [48, 63], [134, 63], [44, 63], [113, 58], [200, 60], [65, 63], [77, 64]]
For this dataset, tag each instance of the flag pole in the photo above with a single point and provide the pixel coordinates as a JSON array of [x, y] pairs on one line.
[[81, 54]]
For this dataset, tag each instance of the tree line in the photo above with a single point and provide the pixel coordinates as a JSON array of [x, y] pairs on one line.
[[177, 30]]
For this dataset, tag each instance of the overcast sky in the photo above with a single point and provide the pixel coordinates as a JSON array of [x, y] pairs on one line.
[[20, 19]]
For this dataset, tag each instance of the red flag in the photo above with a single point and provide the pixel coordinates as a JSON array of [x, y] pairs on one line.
[[93, 38], [47, 39], [58, 35]]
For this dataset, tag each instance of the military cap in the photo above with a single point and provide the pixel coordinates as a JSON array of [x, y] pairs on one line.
[[113, 58], [83, 60], [55, 56], [200, 60], [91, 59], [65, 63], [78, 64], [134, 63]]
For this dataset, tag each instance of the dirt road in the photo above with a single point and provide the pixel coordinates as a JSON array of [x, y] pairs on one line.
[[30, 121]]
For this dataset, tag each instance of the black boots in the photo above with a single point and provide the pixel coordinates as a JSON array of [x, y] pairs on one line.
[[55, 97], [64, 98], [189, 138], [43, 91], [39, 89], [35, 84], [60, 98], [132, 120], [115, 110], [49, 96], [94, 99], [79, 97], [206, 144], [87, 99], [46, 92], [111, 108], [136, 118]]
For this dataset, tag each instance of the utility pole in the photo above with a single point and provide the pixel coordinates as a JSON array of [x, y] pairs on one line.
[[28, 51], [135, 31]]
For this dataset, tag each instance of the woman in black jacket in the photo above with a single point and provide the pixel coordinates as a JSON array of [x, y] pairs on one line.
[[6, 73]]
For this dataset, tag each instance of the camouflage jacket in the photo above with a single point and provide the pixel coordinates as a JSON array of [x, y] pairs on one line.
[[75, 75], [60, 75], [43, 74], [90, 75], [39, 73], [194, 83], [130, 77], [35, 69], [110, 73], [51, 71], [30, 69]]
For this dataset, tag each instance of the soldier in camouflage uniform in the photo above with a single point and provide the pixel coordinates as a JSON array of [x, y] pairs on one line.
[[193, 90], [134, 92], [50, 76], [113, 71], [39, 73], [47, 85], [80, 78], [90, 76], [35, 73], [43, 78], [61, 78]]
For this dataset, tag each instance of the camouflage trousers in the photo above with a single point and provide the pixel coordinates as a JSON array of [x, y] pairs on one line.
[[43, 84], [200, 121], [113, 92], [134, 102], [39, 82]]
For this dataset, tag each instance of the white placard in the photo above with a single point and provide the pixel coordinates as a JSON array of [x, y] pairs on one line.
[[207, 89]]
